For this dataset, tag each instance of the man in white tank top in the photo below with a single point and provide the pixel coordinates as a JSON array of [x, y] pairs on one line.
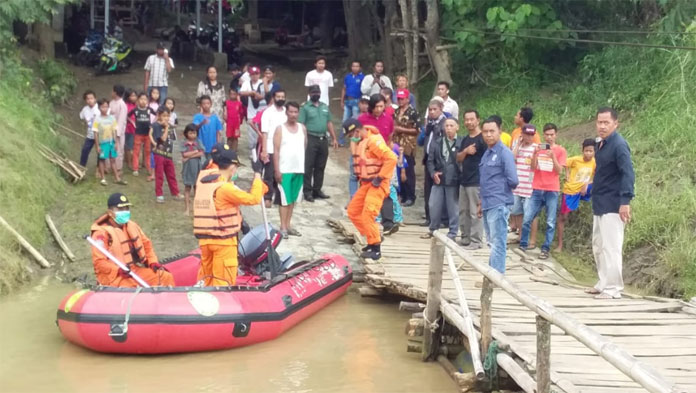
[[290, 141]]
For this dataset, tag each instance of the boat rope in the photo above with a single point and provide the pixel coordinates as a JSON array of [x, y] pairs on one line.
[[433, 326], [124, 325], [490, 364]]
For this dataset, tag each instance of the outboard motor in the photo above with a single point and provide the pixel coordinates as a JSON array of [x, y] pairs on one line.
[[253, 249]]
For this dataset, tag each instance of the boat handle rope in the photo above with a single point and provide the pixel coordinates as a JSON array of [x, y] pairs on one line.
[[124, 325]]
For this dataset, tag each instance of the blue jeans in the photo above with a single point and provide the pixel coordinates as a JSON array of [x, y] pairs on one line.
[[352, 180], [162, 91], [533, 207], [495, 223], [86, 149], [444, 198], [350, 109]]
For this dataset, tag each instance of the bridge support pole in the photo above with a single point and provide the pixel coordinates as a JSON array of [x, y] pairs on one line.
[[543, 355], [431, 340], [486, 323]]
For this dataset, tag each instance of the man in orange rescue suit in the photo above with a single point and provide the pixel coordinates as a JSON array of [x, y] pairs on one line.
[[373, 165], [217, 218], [127, 242]]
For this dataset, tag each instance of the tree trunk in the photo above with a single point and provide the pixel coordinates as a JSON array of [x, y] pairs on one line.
[[44, 36], [439, 59], [253, 13], [415, 47], [358, 28], [407, 25], [325, 24], [389, 19]]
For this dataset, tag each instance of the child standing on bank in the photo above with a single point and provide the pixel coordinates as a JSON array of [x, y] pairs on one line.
[[142, 113], [169, 103], [234, 114], [104, 128], [579, 172], [88, 113], [163, 138], [131, 103], [191, 151]]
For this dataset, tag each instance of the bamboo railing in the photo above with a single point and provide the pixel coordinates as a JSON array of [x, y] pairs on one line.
[[547, 315]]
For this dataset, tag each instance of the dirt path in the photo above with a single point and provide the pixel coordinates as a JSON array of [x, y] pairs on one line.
[[167, 226]]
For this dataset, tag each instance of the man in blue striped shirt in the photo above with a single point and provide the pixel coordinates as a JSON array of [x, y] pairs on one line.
[[498, 177]]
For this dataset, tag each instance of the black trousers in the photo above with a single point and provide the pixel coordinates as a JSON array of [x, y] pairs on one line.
[[316, 155], [269, 178], [408, 188], [387, 213], [428, 185]]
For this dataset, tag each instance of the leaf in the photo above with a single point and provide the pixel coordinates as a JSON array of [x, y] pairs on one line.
[[492, 13]]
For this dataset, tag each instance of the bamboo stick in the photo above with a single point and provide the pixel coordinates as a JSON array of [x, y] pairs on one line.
[[432, 307], [466, 314], [516, 372], [39, 258], [59, 239], [71, 131], [643, 374]]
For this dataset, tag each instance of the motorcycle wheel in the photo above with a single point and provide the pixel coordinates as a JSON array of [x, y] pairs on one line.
[[82, 58]]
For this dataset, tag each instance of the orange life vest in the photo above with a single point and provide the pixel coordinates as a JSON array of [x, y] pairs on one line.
[[208, 222], [365, 168], [125, 243]]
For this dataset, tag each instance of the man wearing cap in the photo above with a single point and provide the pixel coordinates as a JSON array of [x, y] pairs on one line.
[[124, 239], [316, 117], [254, 102], [407, 122], [373, 163], [547, 162], [157, 69], [217, 218]]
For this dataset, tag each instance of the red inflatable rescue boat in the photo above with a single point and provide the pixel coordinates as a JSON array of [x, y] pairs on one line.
[[188, 319]]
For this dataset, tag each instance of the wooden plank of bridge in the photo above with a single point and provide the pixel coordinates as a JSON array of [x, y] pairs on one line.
[[655, 330]]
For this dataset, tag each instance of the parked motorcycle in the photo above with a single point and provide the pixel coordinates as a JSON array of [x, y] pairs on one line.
[[114, 56], [91, 49]]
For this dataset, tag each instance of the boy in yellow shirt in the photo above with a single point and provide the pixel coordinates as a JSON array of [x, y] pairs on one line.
[[578, 185]]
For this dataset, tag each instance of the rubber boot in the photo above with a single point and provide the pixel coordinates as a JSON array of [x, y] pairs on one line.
[[373, 252]]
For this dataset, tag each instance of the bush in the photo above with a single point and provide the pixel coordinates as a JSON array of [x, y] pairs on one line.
[[59, 82]]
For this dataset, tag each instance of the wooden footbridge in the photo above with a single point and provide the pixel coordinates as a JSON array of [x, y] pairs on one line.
[[553, 337]]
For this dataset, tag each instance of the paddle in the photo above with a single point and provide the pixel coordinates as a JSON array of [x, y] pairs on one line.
[[272, 255], [118, 263]]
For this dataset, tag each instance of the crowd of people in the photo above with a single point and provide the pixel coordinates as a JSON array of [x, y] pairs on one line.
[[482, 181]]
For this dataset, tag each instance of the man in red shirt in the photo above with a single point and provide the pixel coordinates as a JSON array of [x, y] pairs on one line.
[[548, 162]]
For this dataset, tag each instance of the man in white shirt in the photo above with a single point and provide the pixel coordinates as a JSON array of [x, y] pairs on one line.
[[271, 118], [254, 102], [450, 107], [320, 76], [373, 83], [157, 69]]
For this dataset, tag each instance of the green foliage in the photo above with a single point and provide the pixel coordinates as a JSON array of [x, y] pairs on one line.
[[59, 82], [28, 183], [27, 11]]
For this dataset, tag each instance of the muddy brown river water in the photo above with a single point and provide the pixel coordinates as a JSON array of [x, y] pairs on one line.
[[353, 345]]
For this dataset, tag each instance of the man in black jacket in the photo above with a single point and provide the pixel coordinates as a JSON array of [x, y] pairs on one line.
[[434, 128], [444, 170], [612, 191]]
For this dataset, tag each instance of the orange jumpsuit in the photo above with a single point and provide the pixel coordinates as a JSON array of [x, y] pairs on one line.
[[364, 208], [219, 256], [125, 242]]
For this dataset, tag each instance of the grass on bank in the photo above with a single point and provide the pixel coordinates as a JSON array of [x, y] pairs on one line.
[[29, 184], [655, 91]]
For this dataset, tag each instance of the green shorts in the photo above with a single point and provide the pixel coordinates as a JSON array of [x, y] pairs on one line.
[[108, 150], [290, 188]]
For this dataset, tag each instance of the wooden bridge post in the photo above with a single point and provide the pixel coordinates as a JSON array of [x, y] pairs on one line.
[[432, 307], [486, 323], [543, 355]]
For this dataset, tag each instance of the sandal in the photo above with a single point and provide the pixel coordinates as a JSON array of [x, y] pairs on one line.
[[544, 255], [103, 182], [428, 235], [592, 291], [122, 182], [293, 232]]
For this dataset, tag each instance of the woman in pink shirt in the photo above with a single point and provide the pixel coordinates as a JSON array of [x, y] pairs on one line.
[[376, 117]]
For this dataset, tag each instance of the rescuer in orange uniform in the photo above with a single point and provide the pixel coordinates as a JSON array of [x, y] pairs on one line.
[[373, 164], [217, 218], [124, 239]]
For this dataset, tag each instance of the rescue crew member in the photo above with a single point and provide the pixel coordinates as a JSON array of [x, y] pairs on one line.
[[373, 165], [217, 218], [127, 242]]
